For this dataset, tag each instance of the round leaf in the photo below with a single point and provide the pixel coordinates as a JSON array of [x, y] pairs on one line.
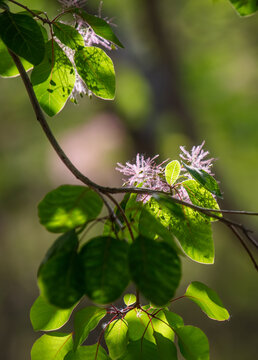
[[104, 268], [116, 336], [59, 273], [46, 317], [193, 343], [23, 36], [52, 346], [166, 348], [207, 300], [129, 299], [68, 207], [155, 268], [90, 352], [97, 70], [53, 79]]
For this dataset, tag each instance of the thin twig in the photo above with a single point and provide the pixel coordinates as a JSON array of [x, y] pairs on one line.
[[45, 21]]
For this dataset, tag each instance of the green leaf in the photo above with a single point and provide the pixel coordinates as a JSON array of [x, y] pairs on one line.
[[245, 7], [104, 268], [7, 65], [100, 27], [88, 353], [150, 226], [166, 348], [53, 80], [129, 299], [97, 70], [23, 36], [193, 343], [141, 350], [207, 300], [191, 229], [58, 275], [155, 268], [160, 324], [133, 210], [201, 197], [68, 35], [68, 207], [116, 337], [172, 171], [52, 346], [174, 320], [85, 321], [46, 317], [139, 325], [205, 179]]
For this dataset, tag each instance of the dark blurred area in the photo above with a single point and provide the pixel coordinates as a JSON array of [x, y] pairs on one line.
[[188, 73]]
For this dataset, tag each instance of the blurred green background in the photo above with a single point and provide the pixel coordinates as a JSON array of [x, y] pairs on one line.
[[188, 73]]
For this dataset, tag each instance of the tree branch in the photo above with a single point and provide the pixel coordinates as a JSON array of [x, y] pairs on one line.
[[108, 190]]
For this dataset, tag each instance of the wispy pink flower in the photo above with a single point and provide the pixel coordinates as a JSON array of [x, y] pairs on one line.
[[73, 3], [196, 157]]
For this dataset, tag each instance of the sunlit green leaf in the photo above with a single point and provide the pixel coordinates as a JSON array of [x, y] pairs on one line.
[[172, 171], [68, 35], [85, 321], [116, 337], [141, 350], [53, 79], [160, 324], [58, 275], [166, 348], [89, 352], [23, 36], [104, 268], [204, 179], [97, 70], [52, 346], [46, 317], [207, 300], [174, 320], [155, 268], [7, 65], [68, 207], [139, 325], [193, 343], [133, 210], [129, 299], [245, 7], [201, 197], [100, 27], [191, 229]]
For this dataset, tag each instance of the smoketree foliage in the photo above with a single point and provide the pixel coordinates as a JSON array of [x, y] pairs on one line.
[[166, 212]]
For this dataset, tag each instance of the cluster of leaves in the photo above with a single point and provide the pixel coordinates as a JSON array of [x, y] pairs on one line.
[[41, 49], [144, 250]]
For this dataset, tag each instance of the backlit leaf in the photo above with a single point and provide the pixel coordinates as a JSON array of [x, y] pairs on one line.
[[53, 79], [68, 35], [245, 7], [193, 343], [100, 27], [155, 268], [46, 317], [52, 346], [85, 321], [68, 207], [129, 299], [166, 348], [172, 171], [23, 36], [141, 350], [116, 337], [104, 268], [207, 300], [201, 197], [7, 65], [89, 352], [191, 229], [204, 179], [97, 70]]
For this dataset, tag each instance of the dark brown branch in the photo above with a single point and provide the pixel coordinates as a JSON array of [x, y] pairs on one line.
[[107, 190]]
